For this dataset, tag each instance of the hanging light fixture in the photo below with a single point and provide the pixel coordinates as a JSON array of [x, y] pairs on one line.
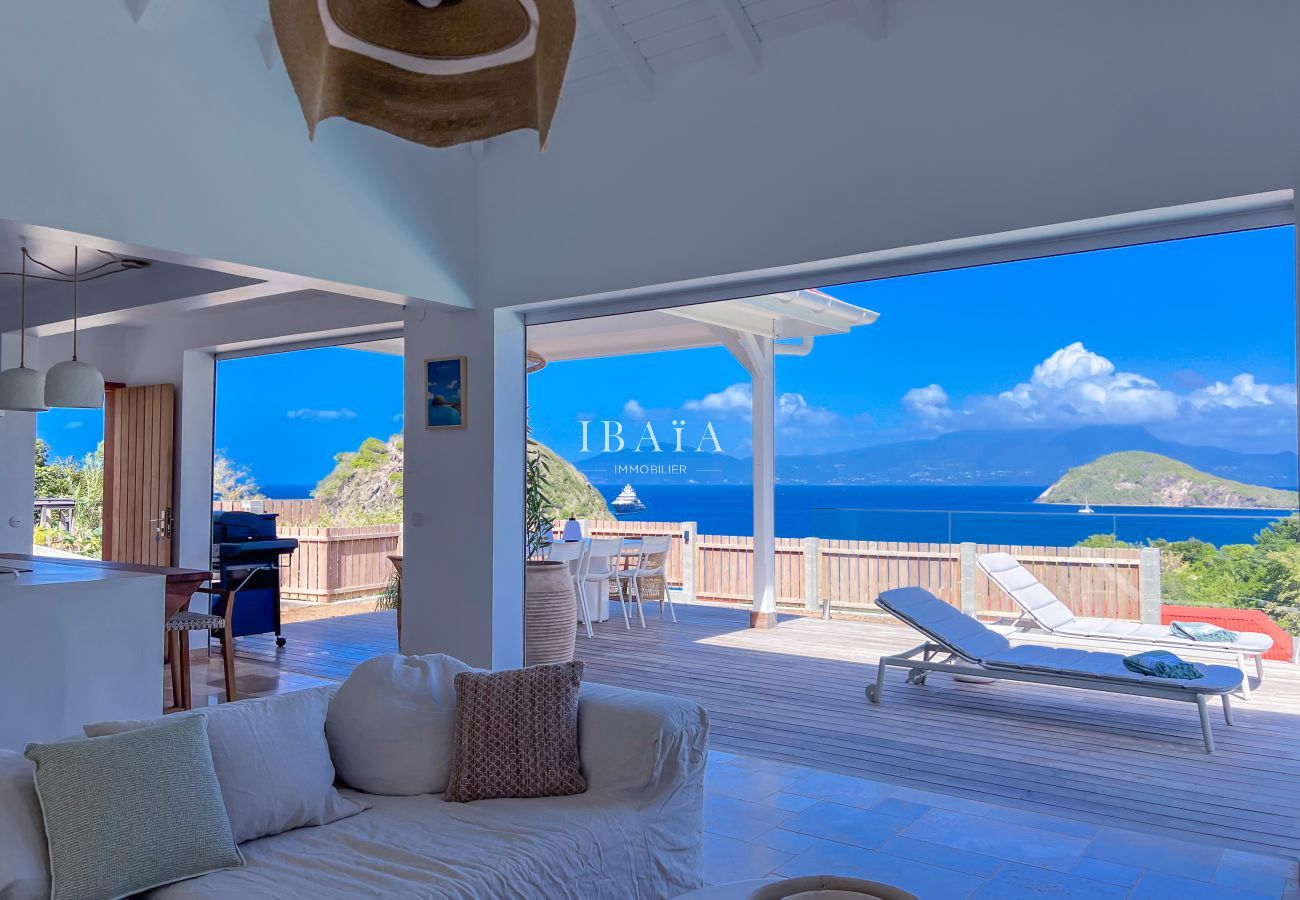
[[22, 389], [73, 384], [434, 72]]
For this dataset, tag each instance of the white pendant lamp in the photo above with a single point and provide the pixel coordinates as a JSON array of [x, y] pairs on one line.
[[22, 389], [73, 384]]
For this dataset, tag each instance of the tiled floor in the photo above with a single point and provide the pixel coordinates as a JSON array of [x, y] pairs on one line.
[[766, 818]]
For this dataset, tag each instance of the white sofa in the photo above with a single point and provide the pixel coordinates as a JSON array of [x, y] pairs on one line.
[[636, 832]]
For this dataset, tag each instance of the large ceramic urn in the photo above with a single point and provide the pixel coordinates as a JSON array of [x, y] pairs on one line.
[[550, 613]]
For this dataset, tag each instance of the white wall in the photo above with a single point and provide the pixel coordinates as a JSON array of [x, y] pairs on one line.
[[172, 134], [966, 119], [17, 446]]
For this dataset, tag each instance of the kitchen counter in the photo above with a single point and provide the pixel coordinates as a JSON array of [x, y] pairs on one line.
[[80, 642]]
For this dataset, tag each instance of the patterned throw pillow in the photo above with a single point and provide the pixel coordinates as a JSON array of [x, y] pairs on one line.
[[517, 734]]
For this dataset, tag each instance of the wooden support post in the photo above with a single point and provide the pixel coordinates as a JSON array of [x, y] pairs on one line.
[[969, 600], [812, 571], [690, 541], [1149, 584]]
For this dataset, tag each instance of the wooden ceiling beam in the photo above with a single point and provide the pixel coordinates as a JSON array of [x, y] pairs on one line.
[[740, 31], [620, 45]]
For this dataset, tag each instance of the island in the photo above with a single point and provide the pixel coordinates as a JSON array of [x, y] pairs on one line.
[[1137, 478], [80, 642]]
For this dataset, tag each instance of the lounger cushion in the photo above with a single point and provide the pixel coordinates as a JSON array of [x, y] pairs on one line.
[[1107, 667], [1116, 629], [1007, 573], [1049, 612], [944, 623]]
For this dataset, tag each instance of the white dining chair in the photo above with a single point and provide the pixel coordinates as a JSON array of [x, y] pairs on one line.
[[572, 553], [599, 565], [651, 560]]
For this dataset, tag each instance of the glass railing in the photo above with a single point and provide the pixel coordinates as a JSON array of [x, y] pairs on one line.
[[1063, 529]]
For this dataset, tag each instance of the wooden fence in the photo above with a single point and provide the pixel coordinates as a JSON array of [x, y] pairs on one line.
[[846, 575], [813, 574], [339, 563], [291, 512]]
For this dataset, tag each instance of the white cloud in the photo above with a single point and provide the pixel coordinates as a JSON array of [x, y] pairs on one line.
[[735, 398], [633, 410], [74, 424], [321, 415], [1075, 386], [1243, 392], [793, 409], [929, 404], [399, 417]]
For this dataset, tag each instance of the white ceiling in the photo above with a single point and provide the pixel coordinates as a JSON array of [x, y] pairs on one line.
[[645, 37]]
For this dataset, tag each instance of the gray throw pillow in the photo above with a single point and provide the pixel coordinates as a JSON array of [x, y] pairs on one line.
[[132, 811]]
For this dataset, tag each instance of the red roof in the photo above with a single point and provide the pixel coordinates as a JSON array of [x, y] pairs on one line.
[[1255, 620]]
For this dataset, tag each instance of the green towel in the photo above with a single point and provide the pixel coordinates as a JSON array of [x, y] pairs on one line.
[[1202, 631], [1162, 664]]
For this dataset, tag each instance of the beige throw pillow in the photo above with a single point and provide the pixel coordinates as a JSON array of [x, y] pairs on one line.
[[517, 734]]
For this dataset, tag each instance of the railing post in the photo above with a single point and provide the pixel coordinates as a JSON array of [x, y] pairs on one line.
[[969, 601], [1149, 584], [812, 574], [690, 537]]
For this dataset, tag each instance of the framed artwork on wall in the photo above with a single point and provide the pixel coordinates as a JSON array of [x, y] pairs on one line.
[[444, 392]]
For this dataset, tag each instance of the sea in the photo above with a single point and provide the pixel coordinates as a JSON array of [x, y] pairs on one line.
[[987, 514]]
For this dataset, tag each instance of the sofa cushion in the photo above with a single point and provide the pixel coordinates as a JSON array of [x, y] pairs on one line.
[[24, 856], [391, 724], [271, 759], [517, 734], [133, 811]]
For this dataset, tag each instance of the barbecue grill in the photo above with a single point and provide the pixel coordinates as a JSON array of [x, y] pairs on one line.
[[246, 554]]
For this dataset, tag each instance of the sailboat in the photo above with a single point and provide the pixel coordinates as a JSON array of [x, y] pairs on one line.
[[1086, 510], [627, 501]]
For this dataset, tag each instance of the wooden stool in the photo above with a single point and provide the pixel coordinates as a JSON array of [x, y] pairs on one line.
[[177, 629]]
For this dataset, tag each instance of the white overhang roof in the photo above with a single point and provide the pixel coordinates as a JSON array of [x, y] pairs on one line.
[[788, 315]]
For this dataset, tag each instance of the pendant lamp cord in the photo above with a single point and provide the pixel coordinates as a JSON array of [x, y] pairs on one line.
[[76, 278], [22, 315]]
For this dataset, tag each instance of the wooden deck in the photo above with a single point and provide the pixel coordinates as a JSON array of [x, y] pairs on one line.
[[795, 693]]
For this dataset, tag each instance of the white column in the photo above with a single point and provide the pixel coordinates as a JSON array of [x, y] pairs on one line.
[[758, 355], [463, 575], [763, 378], [192, 512]]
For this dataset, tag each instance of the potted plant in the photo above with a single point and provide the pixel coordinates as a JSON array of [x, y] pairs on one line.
[[550, 605]]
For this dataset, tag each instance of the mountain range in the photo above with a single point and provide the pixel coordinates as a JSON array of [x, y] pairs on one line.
[[1026, 456]]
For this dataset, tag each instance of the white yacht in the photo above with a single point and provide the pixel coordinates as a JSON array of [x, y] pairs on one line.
[[627, 501]]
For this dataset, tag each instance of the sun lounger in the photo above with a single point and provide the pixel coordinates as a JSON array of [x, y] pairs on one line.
[[1050, 614], [969, 647]]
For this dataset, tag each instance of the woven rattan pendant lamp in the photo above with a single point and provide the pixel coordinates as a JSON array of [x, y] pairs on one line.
[[437, 73]]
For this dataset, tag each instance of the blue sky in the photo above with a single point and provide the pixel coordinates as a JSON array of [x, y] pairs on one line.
[[1193, 339], [1163, 328]]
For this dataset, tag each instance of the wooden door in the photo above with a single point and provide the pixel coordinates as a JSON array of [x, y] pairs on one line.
[[138, 428]]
